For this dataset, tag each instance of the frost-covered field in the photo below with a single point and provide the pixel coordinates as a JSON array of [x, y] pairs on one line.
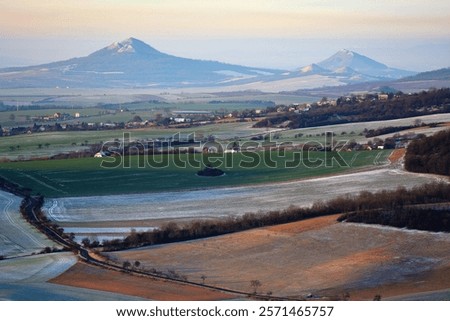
[[26, 278], [35, 268], [103, 233], [17, 237], [110, 212], [358, 128]]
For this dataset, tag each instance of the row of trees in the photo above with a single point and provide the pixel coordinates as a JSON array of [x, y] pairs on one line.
[[429, 154], [352, 109], [13, 188], [392, 129], [428, 219], [386, 199]]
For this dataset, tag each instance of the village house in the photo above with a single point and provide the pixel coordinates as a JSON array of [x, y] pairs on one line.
[[383, 97]]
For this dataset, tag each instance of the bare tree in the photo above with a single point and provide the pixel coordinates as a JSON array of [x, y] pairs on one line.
[[126, 265], [255, 284], [86, 242]]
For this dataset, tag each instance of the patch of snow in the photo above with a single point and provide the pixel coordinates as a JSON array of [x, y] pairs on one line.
[[230, 73], [127, 48], [235, 79], [68, 68], [37, 268], [236, 75], [99, 237], [122, 46], [101, 72], [264, 73], [347, 52], [307, 69], [440, 235], [106, 230]]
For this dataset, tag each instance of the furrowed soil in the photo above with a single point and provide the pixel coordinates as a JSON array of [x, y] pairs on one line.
[[397, 155], [318, 256]]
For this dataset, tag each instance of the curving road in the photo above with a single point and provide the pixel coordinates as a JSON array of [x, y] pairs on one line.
[[24, 276], [17, 237]]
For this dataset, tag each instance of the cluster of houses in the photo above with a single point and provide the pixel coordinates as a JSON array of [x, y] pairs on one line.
[[327, 102], [181, 118], [53, 127], [55, 117]]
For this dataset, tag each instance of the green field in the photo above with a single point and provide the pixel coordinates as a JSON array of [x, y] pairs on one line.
[[109, 113], [51, 143], [86, 176]]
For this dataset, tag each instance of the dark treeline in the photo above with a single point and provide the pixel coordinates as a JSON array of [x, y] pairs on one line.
[[429, 154], [428, 219], [370, 108], [386, 199], [5, 107], [13, 188], [31, 210], [393, 129]]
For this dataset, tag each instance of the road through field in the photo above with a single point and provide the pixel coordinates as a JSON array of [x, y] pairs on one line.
[[24, 276]]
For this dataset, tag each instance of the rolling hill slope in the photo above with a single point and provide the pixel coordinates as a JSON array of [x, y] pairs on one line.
[[132, 63]]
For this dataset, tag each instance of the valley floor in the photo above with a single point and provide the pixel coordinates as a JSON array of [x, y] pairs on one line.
[[318, 258]]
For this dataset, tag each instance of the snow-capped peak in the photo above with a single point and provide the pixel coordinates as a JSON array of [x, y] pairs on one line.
[[347, 52], [125, 46], [132, 46], [344, 59]]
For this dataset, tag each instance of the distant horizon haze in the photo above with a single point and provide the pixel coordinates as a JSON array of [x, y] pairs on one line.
[[286, 54], [282, 34]]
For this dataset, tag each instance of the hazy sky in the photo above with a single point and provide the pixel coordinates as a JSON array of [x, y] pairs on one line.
[[408, 34]]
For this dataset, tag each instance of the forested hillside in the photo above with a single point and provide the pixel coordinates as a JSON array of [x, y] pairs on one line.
[[367, 108], [430, 154]]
